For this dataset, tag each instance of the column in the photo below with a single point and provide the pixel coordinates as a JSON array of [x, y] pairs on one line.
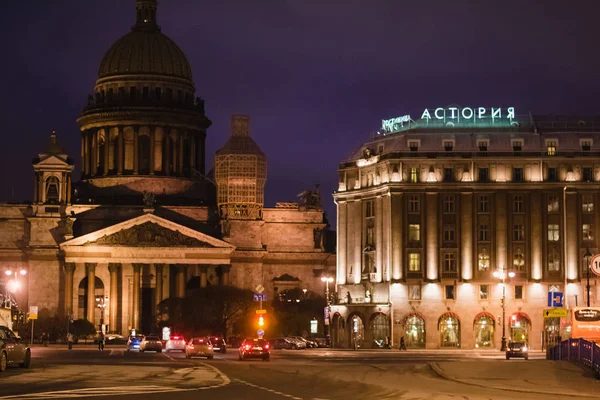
[[202, 153], [397, 213], [537, 235], [192, 144], [342, 220], [466, 236], [180, 153], [152, 147], [113, 311], [135, 296], [90, 270], [167, 160], [190, 272], [136, 148], [355, 245], [106, 150], [180, 281], [378, 237], [69, 270], [501, 231], [86, 153], [387, 234], [68, 188], [225, 277], [203, 278], [94, 167], [121, 150], [36, 185], [42, 192], [432, 236], [159, 282], [572, 233]]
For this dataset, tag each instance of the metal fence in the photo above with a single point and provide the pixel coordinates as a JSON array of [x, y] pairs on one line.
[[579, 350]]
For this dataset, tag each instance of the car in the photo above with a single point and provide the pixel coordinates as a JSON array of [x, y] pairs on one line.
[[133, 343], [218, 344], [321, 342], [255, 348], [281, 343], [309, 343], [199, 347], [297, 344], [13, 350], [176, 342], [151, 343], [517, 349]]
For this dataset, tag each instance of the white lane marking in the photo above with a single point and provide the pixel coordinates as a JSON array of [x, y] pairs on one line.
[[268, 390], [168, 356], [116, 352]]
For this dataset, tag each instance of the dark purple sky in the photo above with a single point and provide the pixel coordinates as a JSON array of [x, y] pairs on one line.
[[316, 76]]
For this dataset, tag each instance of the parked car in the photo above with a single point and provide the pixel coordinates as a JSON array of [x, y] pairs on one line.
[[309, 343], [133, 343], [281, 343], [321, 342], [517, 349], [176, 342], [297, 344], [13, 350], [255, 348], [218, 344], [151, 343], [199, 347]]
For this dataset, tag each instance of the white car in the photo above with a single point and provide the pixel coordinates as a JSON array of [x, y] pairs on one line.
[[175, 343]]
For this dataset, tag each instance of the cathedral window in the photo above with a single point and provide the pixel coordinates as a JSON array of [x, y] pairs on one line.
[[52, 190]]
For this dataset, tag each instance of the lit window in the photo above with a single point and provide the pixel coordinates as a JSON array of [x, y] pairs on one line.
[[414, 175], [484, 233], [518, 232], [587, 203], [553, 260], [551, 146], [414, 232], [449, 233], [449, 204], [483, 292], [553, 204], [587, 232], [413, 204], [414, 262], [483, 204], [519, 260], [483, 261], [518, 204], [553, 233]]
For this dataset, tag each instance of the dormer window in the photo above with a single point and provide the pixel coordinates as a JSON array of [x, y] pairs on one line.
[[448, 145], [551, 146], [586, 144], [517, 144], [414, 145], [483, 145]]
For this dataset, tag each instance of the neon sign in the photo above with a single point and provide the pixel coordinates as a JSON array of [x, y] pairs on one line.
[[469, 114], [394, 124]]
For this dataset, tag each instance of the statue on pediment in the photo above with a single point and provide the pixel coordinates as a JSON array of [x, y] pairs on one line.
[[149, 234], [149, 199]]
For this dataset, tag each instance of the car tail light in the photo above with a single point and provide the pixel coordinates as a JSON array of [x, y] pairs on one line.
[[175, 337], [248, 347], [267, 346], [210, 347]]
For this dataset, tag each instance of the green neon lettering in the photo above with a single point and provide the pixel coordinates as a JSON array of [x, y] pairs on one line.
[[426, 114], [436, 113]]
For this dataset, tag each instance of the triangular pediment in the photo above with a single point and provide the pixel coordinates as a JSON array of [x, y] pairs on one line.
[[147, 230], [52, 160]]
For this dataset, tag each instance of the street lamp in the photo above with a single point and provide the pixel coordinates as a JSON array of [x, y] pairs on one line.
[[500, 274], [586, 257], [327, 280], [13, 285], [102, 303]]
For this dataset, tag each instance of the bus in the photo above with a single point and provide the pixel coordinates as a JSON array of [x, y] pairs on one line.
[[585, 323]]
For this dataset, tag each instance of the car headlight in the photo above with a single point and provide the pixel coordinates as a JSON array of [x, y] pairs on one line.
[[524, 348]]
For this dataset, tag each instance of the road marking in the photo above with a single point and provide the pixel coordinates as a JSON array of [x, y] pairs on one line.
[[116, 353], [168, 356], [268, 390]]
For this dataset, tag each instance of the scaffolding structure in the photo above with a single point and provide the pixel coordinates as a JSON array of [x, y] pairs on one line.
[[240, 174]]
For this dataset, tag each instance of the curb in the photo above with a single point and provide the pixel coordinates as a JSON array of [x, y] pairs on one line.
[[438, 370]]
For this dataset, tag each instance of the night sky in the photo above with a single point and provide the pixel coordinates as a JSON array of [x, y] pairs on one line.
[[316, 76]]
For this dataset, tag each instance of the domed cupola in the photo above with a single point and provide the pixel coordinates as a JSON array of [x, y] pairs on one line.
[[143, 129]]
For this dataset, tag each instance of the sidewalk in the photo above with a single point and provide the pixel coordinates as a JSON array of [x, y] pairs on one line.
[[533, 376]]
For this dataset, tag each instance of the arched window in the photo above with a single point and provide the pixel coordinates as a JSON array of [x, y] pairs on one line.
[[520, 325], [357, 331], [380, 327], [415, 332], [449, 327], [484, 331], [52, 193]]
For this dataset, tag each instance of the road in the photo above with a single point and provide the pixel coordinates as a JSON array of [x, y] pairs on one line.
[[57, 373]]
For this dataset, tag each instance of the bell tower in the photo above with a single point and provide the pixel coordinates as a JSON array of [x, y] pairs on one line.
[[52, 175]]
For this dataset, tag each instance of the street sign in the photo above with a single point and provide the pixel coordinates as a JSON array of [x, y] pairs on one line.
[[556, 313], [259, 289], [595, 264], [314, 326], [260, 297], [555, 299], [261, 311], [33, 312], [260, 333]]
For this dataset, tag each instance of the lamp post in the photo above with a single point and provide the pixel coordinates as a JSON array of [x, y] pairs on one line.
[[500, 274], [102, 303], [327, 280], [13, 285], [586, 257]]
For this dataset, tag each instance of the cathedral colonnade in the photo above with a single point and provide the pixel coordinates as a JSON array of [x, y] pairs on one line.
[[142, 150], [130, 292]]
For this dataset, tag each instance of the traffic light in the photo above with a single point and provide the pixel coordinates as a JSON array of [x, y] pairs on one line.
[[261, 321]]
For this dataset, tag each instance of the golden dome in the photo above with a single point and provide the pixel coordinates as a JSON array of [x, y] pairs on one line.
[[145, 50]]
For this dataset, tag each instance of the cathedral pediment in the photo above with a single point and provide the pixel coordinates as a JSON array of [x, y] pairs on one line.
[[148, 234], [147, 231]]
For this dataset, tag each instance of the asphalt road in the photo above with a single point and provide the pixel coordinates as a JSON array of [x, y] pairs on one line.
[[57, 373]]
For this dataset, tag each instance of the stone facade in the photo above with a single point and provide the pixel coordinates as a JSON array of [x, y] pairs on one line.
[[427, 215]]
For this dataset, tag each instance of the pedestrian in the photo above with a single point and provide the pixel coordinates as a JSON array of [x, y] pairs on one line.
[[402, 344], [44, 339], [70, 340], [101, 342]]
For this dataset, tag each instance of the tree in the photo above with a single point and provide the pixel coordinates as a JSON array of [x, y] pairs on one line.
[[82, 328], [294, 309]]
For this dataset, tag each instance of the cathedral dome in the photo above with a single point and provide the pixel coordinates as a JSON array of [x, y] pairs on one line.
[[145, 50]]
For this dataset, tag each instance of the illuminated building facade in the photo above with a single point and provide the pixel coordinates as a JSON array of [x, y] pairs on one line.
[[429, 209]]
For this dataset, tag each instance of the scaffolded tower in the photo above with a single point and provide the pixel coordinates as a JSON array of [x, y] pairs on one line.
[[241, 173]]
